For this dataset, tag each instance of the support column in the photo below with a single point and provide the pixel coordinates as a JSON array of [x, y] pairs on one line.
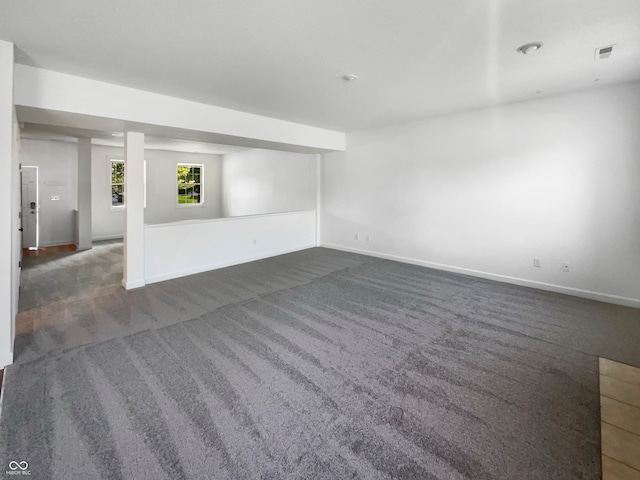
[[84, 230], [318, 197], [133, 210], [9, 236]]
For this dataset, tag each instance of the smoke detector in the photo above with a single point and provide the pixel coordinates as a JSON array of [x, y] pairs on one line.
[[604, 52], [528, 48]]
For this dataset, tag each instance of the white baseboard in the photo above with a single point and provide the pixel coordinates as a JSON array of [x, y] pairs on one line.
[[215, 266], [6, 359], [130, 285], [107, 237], [576, 292], [57, 244]]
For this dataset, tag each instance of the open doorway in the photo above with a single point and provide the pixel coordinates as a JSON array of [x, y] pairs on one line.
[[30, 207]]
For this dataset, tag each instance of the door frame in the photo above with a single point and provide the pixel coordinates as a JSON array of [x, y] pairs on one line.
[[24, 220]]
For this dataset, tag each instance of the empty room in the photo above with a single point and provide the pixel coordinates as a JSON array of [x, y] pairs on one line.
[[320, 240]]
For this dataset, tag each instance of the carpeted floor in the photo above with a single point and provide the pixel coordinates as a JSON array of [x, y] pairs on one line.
[[318, 364]]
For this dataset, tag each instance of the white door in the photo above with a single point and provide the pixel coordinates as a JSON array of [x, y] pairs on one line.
[[30, 207]]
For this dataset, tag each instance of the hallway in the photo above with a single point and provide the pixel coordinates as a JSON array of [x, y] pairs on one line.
[[69, 276]]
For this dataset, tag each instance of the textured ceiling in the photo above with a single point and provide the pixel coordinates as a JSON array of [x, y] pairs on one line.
[[285, 58]]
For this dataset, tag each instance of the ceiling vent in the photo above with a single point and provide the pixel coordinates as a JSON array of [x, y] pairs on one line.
[[604, 52]]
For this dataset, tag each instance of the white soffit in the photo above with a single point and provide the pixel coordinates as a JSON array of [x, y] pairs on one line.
[[32, 131]]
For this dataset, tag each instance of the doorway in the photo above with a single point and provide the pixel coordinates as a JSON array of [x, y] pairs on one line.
[[30, 207]]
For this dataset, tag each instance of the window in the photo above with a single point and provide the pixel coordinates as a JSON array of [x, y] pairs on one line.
[[190, 179], [117, 183]]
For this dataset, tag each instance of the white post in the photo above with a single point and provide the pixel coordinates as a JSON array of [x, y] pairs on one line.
[[83, 235], [318, 197], [9, 251], [133, 210]]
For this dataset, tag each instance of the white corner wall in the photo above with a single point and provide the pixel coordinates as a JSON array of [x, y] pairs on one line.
[[57, 164], [106, 222], [184, 248], [8, 214], [484, 192], [16, 223], [261, 181]]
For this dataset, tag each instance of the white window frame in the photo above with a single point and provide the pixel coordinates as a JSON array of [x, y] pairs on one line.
[[111, 184], [189, 205], [119, 160]]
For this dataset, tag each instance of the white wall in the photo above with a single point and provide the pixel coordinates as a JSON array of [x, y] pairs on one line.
[[162, 177], [8, 215], [134, 192], [16, 222], [57, 164], [84, 227], [179, 249], [106, 222], [488, 190], [261, 181]]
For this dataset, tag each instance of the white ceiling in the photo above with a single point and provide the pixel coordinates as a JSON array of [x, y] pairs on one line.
[[285, 58]]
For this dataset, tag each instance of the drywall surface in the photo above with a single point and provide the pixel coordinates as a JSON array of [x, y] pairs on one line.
[[162, 187], [131, 109], [162, 207], [84, 222], [185, 248], [485, 192], [7, 199], [16, 224], [133, 245], [107, 221], [261, 181], [57, 164]]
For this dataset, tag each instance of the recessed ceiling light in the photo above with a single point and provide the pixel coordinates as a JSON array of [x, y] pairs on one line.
[[528, 48], [118, 134], [349, 77]]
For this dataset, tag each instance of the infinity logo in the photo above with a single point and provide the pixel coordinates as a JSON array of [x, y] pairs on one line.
[[13, 465]]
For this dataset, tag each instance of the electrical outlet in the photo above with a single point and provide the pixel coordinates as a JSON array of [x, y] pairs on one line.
[[255, 242], [357, 236], [565, 266], [537, 262], [368, 238]]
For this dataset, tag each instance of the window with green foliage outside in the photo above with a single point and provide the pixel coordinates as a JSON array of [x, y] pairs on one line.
[[117, 183], [189, 184]]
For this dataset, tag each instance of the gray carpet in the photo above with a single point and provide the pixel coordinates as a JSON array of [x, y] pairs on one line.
[[74, 299], [318, 365]]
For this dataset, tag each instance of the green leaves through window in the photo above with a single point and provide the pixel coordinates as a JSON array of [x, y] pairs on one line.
[[117, 183], [190, 184]]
